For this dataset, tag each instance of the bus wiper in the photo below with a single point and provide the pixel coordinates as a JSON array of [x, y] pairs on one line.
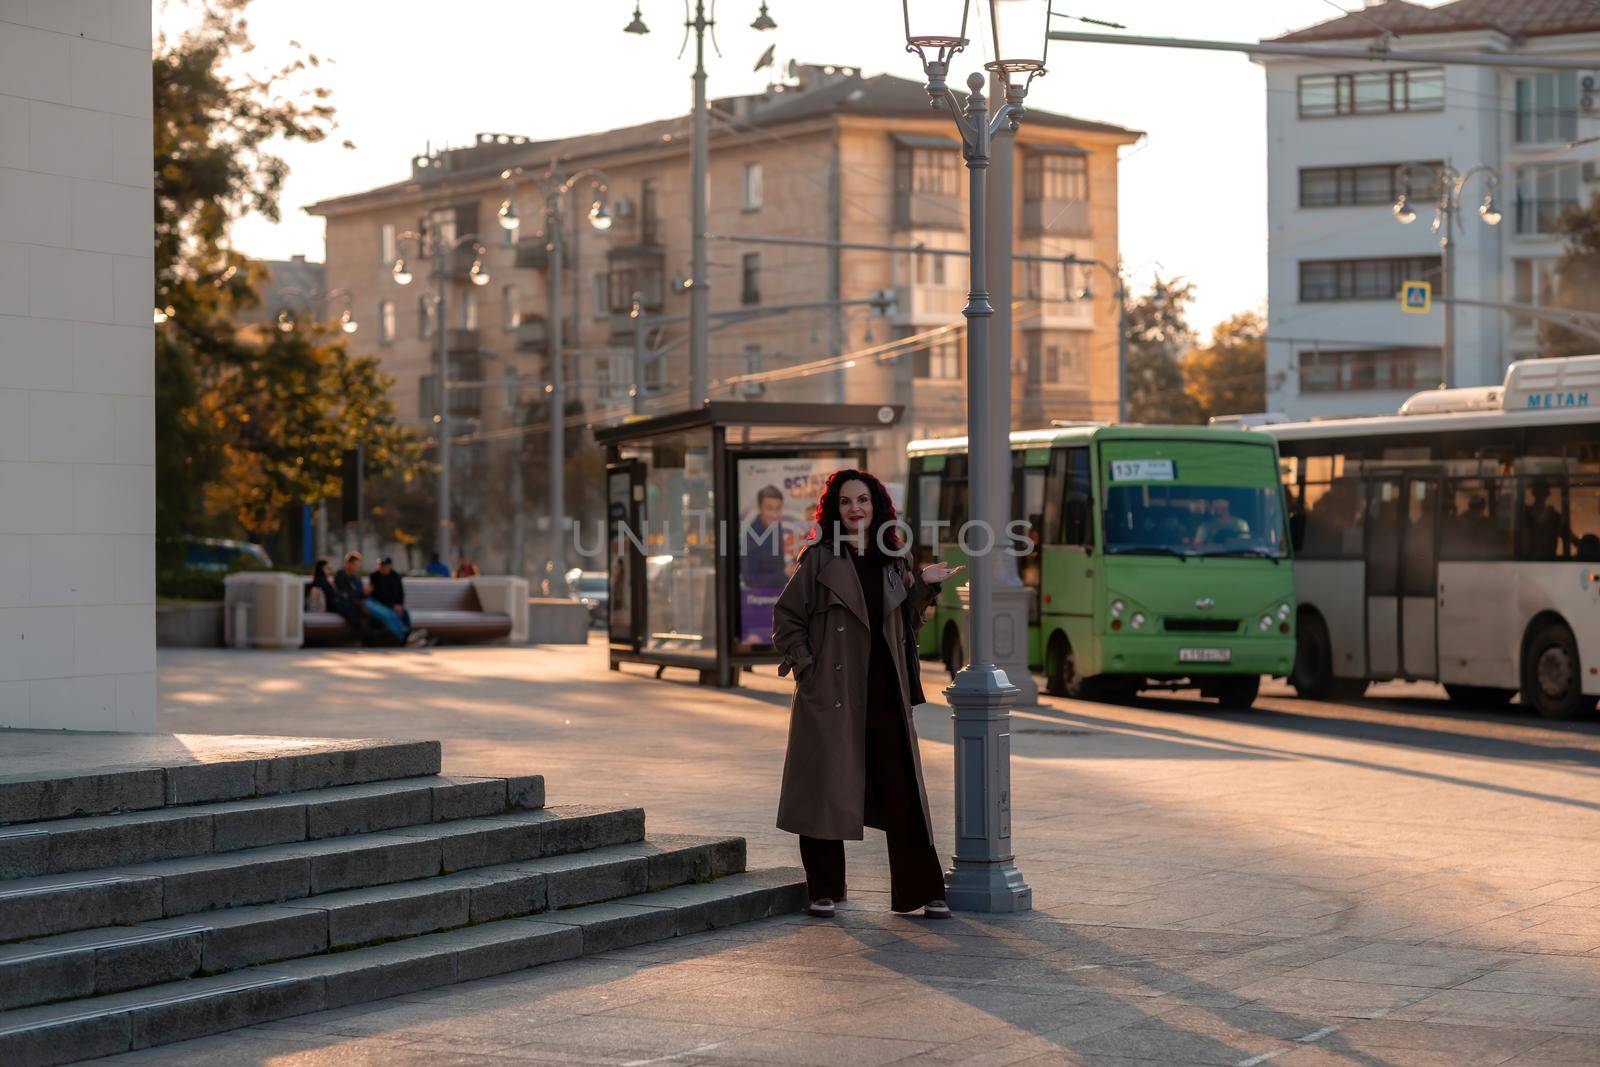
[[1258, 553], [1147, 550]]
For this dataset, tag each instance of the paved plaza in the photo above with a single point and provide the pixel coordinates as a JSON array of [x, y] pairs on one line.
[[1392, 882]]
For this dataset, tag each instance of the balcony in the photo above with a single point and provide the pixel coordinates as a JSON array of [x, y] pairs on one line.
[[461, 341], [1055, 218], [929, 211], [532, 253], [533, 334], [928, 305]]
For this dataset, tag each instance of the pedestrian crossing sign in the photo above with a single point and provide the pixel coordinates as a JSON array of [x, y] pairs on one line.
[[1416, 297]]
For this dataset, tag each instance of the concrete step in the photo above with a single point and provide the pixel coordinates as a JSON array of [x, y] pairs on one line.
[[60, 903], [87, 843], [178, 1011], [55, 775], [108, 960]]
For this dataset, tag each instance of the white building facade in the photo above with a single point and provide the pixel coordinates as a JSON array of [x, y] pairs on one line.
[[1347, 138], [77, 410]]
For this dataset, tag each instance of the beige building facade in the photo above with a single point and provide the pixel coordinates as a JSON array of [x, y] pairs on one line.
[[832, 157]]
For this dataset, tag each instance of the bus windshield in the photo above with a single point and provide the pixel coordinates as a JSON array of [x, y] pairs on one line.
[[1194, 520]]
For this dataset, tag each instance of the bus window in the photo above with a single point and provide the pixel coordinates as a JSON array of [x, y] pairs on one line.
[[1194, 520], [1477, 518], [1558, 520], [1077, 514], [927, 504], [1334, 515], [1422, 510]]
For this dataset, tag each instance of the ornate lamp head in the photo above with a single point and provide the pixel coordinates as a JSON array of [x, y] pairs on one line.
[[923, 37], [1021, 41]]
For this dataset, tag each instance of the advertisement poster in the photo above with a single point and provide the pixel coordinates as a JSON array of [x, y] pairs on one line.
[[776, 500]]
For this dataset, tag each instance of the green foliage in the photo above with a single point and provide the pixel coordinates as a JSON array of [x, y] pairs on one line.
[[1229, 375], [1577, 282], [245, 426], [1158, 335], [176, 581]]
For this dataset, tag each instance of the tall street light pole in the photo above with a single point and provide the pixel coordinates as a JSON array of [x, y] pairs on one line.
[[699, 195], [429, 242], [984, 876], [1120, 292], [1445, 220], [555, 187]]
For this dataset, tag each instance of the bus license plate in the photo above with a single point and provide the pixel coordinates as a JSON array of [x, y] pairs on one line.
[[1204, 655]]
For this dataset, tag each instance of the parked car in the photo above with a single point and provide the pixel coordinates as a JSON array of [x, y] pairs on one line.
[[219, 554], [592, 589]]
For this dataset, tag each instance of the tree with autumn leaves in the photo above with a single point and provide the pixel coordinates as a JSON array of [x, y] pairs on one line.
[[246, 428], [1173, 379]]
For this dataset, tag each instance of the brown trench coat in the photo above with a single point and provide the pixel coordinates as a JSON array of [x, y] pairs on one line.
[[820, 626]]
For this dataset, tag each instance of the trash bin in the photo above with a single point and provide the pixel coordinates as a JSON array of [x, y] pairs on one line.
[[239, 625]]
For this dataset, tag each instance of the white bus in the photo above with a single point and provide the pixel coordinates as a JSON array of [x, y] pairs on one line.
[[1457, 542]]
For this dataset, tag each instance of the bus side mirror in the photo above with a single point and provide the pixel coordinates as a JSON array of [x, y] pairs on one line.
[[1297, 530]]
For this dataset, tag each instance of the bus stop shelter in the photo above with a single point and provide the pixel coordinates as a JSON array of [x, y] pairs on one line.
[[706, 511]]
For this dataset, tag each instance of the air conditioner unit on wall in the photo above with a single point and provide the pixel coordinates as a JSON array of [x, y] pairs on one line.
[[1590, 82], [1590, 171]]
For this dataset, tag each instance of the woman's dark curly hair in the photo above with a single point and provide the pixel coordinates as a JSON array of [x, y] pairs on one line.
[[830, 523]]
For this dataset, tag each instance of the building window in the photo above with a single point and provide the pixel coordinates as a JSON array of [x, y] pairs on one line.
[[427, 397], [1545, 192], [1535, 281], [386, 322], [750, 187], [1048, 176], [1547, 108], [649, 212], [467, 316], [510, 314], [1378, 183], [1371, 92], [1362, 279], [602, 374], [600, 293], [388, 246], [927, 188], [1368, 370], [425, 310], [750, 274], [939, 359]]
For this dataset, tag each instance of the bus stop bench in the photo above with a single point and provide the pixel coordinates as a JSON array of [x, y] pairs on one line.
[[448, 608]]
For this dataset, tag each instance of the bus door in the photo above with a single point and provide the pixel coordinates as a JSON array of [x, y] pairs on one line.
[[1067, 579], [1402, 576]]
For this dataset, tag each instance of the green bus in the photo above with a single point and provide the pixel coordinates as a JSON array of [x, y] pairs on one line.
[[1155, 557]]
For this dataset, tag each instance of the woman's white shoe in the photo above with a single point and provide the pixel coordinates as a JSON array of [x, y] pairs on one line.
[[822, 909], [936, 909]]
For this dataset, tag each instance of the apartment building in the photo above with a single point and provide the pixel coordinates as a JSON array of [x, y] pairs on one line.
[[828, 155], [1347, 138]]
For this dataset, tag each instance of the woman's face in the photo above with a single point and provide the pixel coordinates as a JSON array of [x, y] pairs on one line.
[[855, 506]]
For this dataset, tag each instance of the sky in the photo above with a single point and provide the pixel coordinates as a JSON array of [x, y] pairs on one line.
[[1192, 194]]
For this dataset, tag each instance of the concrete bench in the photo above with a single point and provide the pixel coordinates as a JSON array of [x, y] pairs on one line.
[[451, 609]]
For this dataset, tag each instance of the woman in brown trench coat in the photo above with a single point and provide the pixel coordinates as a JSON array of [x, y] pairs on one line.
[[846, 626]]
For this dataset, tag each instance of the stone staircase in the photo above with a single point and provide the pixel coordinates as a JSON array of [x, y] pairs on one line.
[[150, 904]]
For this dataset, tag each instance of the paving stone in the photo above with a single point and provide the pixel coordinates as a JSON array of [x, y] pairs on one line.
[[240, 937], [526, 791], [376, 861], [364, 916], [202, 883], [211, 1005], [53, 904], [115, 840], [33, 974], [467, 798], [493, 897], [367, 762], [512, 946], [257, 825], [579, 879], [30, 798], [616, 925], [147, 957], [365, 814], [24, 852], [65, 1040], [199, 783], [376, 972]]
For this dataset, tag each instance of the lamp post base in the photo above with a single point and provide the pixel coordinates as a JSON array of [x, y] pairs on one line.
[[1011, 640], [984, 877]]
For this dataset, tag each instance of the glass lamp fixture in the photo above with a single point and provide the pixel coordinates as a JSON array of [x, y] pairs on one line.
[[1488, 212], [1402, 210], [1020, 33], [928, 29], [477, 274], [285, 321], [508, 215], [763, 20], [599, 217], [637, 26], [347, 322], [161, 316], [402, 273]]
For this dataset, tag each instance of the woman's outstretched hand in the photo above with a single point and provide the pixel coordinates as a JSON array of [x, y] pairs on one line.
[[939, 570]]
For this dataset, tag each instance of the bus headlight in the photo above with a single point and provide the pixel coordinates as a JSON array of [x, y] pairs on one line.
[[1137, 621], [1284, 611], [1265, 623], [1117, 608]]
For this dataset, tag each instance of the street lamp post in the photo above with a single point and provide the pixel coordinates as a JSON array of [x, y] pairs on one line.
[[555, 187], [286, 318], [700, 153], [1445, 219], [431, 243], [984, 876]]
